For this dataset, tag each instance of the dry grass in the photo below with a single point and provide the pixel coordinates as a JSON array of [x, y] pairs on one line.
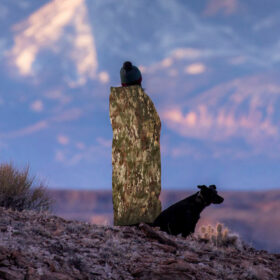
[[19, 191], [220, 236]]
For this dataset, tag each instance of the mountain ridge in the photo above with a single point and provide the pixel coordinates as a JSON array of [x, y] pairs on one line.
[[255, 215]]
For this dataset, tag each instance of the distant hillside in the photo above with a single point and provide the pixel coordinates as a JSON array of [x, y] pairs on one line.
[[254, 215], [45, 247]]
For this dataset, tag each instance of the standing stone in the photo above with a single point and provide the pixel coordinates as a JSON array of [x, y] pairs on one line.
[[136, 160]]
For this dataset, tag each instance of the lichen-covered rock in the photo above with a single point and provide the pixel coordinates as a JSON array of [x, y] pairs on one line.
[[136, 159]]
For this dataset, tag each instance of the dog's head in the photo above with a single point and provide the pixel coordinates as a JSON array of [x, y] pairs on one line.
[[210, 194]]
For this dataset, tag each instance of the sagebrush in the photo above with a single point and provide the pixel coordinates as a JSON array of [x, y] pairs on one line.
[[20, 191], [220, 236]]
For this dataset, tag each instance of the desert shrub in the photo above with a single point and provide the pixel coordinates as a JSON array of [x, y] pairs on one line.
[[220, 236], [19, 191], [77, 262]]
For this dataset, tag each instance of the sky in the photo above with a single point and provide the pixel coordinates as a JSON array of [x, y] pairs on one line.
[[211, 68]]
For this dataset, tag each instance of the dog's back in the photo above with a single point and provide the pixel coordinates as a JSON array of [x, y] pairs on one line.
[[182, 216], [179, 217]]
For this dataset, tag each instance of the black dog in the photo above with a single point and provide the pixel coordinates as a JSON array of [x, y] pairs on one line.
[[182, 216]]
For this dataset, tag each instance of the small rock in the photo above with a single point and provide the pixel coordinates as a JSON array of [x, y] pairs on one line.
[[7, 274]]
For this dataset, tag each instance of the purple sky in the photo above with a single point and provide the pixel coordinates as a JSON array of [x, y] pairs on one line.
[[211, 67]]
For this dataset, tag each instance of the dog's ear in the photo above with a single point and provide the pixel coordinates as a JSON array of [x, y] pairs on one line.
[[212, 187], [201, 187]]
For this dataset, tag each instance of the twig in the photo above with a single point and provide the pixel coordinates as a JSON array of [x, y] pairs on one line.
[[156, 235]]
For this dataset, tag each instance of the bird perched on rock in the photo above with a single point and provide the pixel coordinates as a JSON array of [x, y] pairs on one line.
[[130, 75]]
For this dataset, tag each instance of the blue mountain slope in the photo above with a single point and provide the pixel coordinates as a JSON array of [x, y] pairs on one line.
[[211, 68]]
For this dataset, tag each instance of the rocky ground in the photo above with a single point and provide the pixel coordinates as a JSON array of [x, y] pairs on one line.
[[255, 215], [47, 247]]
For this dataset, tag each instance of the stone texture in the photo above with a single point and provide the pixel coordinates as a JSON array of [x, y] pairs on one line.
[[136, 159]]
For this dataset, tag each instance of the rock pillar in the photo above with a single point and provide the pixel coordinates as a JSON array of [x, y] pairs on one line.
[[136, 162]]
